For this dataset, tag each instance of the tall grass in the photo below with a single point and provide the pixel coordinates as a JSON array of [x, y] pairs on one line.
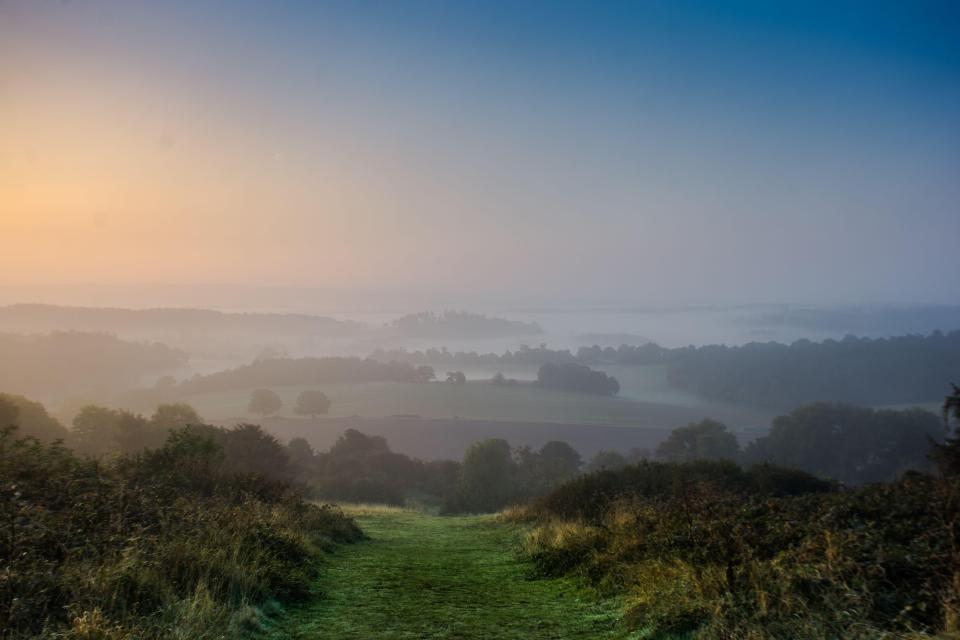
[[715, 559], [163, 545]]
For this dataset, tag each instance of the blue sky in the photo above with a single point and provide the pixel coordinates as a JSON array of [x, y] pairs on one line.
[[628, 152]]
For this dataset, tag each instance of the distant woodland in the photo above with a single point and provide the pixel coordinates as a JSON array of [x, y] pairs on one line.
[[460, 324], [871, 371], [70, 362]]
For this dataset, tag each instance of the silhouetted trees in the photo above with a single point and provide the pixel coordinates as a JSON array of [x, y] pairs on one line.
[[264, 402], [312, 402], [946, 455], [852, 444], [576, 377], [31, 419], [705, 440], [456, 377]]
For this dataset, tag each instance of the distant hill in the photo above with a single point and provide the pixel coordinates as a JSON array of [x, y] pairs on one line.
[[460, 324], [72, 362], [42, 317]]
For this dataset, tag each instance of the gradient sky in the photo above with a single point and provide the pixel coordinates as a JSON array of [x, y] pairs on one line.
[[626, 152]]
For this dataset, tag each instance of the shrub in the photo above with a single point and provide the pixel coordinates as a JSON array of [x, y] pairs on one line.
[[168, 544], [720, 552]]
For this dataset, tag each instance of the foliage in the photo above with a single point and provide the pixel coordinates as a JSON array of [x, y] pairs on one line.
[[606, 459], [900, 370], [312, 402], [716, 552], [264, 402], [870, 371], [362, 469], [851, 444], [576, 377], [99, 431], [166, 544], [704, 440], [456, 377], [31, 417], [494, 475], [946, 456]]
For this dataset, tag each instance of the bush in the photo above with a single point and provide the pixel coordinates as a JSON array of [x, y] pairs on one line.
[[167, 544], [719, 552]]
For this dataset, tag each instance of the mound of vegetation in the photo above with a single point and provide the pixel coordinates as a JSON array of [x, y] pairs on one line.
[[190, 540], [72, 362], [854, 445], [361, 468], [865, 371], [716, 551], [577, 377], [461, 324], [305, 371]]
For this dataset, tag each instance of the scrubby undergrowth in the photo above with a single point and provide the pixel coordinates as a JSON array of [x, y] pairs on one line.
[[709, 550], [167, 544]]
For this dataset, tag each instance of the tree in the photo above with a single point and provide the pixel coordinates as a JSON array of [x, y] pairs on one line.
[[456, 377], [606, 460], [498, 379], [248, 448], [31, 418], [175, 415], [264, 402], [301, 454], [312, 402], [95, 430], [851, 444], [487, 476], [947, 455], [571, 376], [705, 440], [9, 414]]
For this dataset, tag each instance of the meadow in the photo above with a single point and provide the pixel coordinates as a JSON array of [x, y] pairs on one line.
[[482, 401]]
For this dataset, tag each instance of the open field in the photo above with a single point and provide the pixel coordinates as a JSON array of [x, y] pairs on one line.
[[483, 401], [422, 576]]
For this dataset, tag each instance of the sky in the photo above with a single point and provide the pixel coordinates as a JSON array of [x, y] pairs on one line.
[[583, 152]]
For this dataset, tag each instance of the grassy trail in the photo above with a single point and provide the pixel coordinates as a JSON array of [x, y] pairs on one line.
[[431, 577]]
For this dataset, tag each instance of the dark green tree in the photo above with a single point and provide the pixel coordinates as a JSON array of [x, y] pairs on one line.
[[705, 440], [312, 402]]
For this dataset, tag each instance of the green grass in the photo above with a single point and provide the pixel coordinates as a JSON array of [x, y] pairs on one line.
[[422, 576]]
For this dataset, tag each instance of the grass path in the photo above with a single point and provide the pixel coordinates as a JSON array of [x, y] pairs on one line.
[[431, 577]]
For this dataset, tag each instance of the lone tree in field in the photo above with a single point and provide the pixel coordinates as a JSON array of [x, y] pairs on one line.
[[264, 402], [312, 402]]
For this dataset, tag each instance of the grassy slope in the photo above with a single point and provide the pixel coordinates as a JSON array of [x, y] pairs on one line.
[[424, 576]]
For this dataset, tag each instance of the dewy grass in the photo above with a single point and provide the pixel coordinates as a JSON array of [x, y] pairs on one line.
[[423, 576]]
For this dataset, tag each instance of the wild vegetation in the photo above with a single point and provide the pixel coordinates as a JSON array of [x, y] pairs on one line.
[[190, 540], [716, 551]]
